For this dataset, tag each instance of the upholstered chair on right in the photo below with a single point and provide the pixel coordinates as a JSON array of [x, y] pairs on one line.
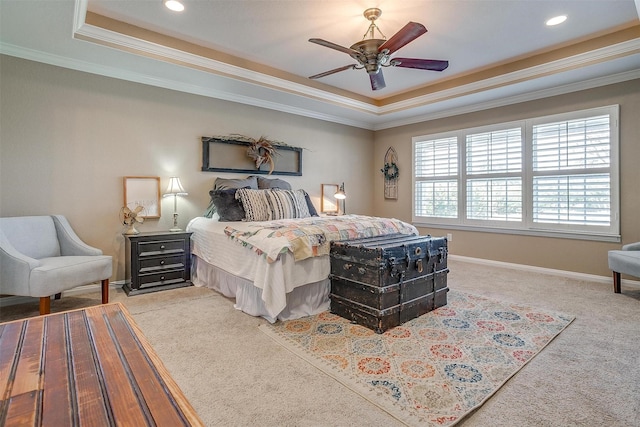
[[626, 261]]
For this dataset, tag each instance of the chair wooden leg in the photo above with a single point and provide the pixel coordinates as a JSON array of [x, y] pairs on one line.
[[105, 291], [45, 305], [616, 282]]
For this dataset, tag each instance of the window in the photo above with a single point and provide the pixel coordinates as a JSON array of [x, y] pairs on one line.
[[494, 175], [437, 166], [555, 175]]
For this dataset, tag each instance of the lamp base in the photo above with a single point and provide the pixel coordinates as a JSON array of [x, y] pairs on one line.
[[175, 229]]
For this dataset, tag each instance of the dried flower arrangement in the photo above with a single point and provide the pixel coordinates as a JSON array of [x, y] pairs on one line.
[[261, 150]]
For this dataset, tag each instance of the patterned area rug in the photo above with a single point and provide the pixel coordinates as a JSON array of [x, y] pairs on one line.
[[432, 370]]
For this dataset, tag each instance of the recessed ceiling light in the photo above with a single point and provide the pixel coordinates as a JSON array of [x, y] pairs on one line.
[[174, 5], [556, 20]]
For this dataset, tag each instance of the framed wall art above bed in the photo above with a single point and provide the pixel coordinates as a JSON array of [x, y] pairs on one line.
[[237, 154]]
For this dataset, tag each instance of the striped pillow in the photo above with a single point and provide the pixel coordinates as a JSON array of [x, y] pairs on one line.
[[270, 204]]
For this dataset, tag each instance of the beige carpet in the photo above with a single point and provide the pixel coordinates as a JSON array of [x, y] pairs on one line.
[[234, 375]]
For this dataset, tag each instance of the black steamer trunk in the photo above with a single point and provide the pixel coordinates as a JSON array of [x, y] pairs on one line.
[[382, 282]]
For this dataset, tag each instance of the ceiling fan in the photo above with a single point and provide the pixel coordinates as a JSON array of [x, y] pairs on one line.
[[372, 54]]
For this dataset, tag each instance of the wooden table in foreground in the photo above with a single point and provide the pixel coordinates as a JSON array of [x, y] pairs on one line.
[[89, 367]]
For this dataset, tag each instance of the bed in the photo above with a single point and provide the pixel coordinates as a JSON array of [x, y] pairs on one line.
[[277, 269]]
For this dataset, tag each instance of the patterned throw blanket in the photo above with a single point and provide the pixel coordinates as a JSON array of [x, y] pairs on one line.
[[309, 237]]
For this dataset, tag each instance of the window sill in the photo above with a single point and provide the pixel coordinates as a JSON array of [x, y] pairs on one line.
[[522, 232]]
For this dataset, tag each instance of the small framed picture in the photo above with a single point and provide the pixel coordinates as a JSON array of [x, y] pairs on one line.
[[143, 191], [328, 203]]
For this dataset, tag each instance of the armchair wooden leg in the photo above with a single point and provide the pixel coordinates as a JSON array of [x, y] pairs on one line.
[[616, 282], [105, 291], [45, 305]]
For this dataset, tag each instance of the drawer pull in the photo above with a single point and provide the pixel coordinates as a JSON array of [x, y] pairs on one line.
[[347, 266], [161, 246], [161, 277], [162, 262], [362, 270]]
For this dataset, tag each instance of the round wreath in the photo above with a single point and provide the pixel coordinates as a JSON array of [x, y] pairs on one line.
[[262, 151], [390, 171]]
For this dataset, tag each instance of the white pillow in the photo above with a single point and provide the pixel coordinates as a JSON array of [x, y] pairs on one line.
[[270, 204]]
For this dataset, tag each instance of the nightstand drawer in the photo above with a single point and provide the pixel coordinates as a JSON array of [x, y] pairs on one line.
[[163, 278], [169, 262], [161, 247]]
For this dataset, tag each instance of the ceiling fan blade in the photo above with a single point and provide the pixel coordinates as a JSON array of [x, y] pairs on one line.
[[377, 81], [353, 53], [406, 35], [336, 70], [422, 64]]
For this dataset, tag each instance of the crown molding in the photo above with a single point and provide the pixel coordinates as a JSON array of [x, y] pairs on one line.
[[130, 44], [516, 99], [143, 47], [65, 62], [608, 53], [290, 97], [118, 73]]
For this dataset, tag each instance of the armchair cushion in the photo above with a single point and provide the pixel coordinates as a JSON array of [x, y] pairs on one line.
[[54, 274]]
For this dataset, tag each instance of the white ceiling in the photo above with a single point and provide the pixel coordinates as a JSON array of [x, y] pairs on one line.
[[474, 35]]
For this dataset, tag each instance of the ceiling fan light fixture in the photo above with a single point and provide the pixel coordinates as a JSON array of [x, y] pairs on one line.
[[174, 5], [556, 20]]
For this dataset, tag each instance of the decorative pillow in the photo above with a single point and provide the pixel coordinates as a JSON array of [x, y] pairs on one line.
[[211, 209], [264, 183], [228, 208], [228, 183], [312, 209], [267, 205]]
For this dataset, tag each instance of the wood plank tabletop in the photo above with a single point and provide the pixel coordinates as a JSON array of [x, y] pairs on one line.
[[87, 367]]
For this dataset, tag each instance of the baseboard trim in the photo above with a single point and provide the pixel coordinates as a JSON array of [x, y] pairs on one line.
[[544, 270], [13, 300]]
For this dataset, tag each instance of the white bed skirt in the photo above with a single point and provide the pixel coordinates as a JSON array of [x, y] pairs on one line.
[[312, 298]]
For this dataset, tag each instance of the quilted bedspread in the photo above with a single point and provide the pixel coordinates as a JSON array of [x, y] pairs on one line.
[[309, 237]]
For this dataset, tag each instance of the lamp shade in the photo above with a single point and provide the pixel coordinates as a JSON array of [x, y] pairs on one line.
[[175, 188]]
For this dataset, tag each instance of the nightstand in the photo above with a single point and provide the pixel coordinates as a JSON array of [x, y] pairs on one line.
[[157, 261]]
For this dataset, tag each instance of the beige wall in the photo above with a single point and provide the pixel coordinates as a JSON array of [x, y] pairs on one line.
[[563, 254], [68, 138]]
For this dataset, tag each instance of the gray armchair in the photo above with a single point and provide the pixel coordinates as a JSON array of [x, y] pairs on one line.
[[41, 256], [626, 261]]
